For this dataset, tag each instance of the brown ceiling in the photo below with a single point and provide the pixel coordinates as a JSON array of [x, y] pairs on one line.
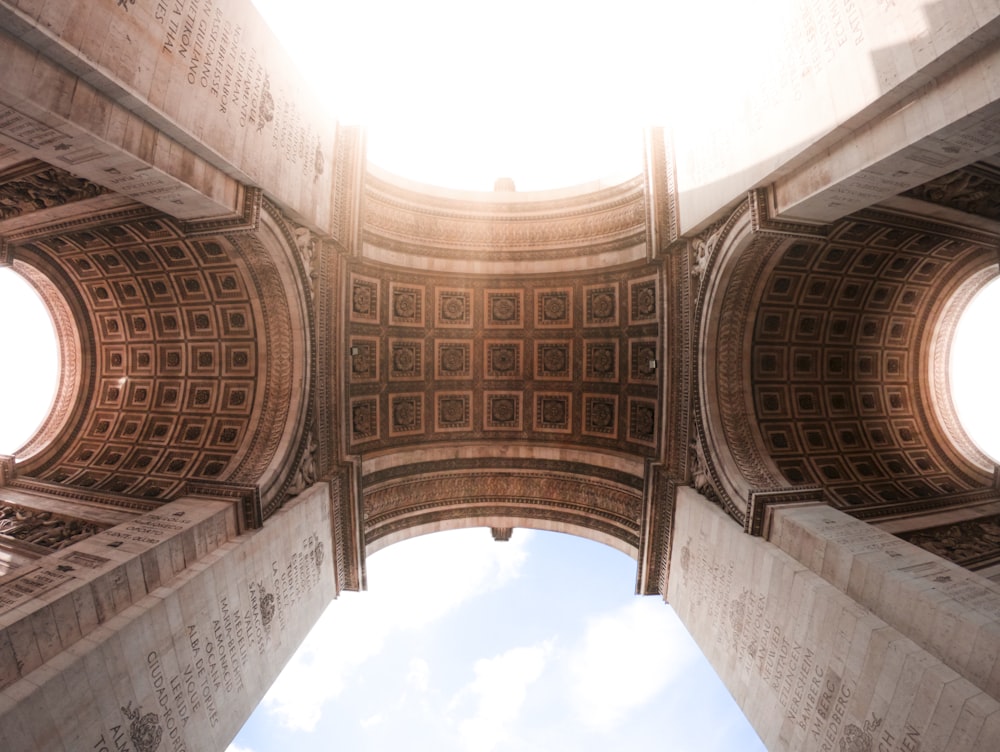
[[839, 361]]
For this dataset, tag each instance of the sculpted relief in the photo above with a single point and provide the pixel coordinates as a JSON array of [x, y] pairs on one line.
[[43, 528]]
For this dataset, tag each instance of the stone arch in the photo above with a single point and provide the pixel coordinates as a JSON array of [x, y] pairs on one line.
[[191, 352], [498, 522], [71, 361], [938, 358], [729, 461], [596, 495], [844, 343]]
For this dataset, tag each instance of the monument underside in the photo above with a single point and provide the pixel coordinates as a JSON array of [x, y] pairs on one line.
[[272, 355]]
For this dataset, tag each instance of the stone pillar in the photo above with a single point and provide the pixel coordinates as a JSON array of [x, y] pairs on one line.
[[949, 611], [168, 628], [798, 647]]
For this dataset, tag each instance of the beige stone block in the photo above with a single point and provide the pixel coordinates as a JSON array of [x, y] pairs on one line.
[[989, 734], [971, 720], [82, 599], [873, 665], [869, 590], [930, 694], [15, 734], [947, 713], [136, 578], [27, 657], [905, 694], [67, 625], [38, 719], [984, 664], [897, 671]]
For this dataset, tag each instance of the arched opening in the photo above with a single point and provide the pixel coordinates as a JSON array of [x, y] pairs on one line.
[[30, 376], [461, 643], [974, 364]]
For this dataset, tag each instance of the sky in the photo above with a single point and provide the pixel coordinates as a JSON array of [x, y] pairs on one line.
[[551, 93], [29, 361], [975, 363], [464, 644]]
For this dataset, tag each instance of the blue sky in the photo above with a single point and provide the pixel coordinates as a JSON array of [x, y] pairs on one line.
[[462, 644]]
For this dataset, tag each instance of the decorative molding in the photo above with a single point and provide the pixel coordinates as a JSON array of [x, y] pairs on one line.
[[69, 389], [585, 497], [8, 469], [893, 217], [311, 257], [734, 314], [761, 500], [245, 219], [348, 188], [505, 464], [346, 521], [411, 222], [656, 533], [879, 512], [274, 400], [661, 192], [32, 485], [762, 218], [250, 514], [943, 403]]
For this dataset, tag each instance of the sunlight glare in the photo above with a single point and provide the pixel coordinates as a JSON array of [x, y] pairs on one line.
[[30, 374], [975, 363], [457, 93]]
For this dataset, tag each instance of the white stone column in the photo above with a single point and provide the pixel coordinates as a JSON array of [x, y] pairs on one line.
[[168, 627], [812, 668]]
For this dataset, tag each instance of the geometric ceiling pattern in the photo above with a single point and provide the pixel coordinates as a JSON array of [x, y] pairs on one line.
[[525, 388], [175, 357], [570, 360], [837, 364]]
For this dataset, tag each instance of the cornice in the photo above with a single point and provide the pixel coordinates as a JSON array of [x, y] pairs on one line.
[[412, 222]]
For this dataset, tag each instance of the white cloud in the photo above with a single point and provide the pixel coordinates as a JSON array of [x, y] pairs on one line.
[[419, 674], [237, 748], [625, 658], [373, 720], [500, 688], [410, 585]]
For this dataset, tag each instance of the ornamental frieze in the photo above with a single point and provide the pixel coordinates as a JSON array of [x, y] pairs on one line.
[[588, 495], [442, 227]]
